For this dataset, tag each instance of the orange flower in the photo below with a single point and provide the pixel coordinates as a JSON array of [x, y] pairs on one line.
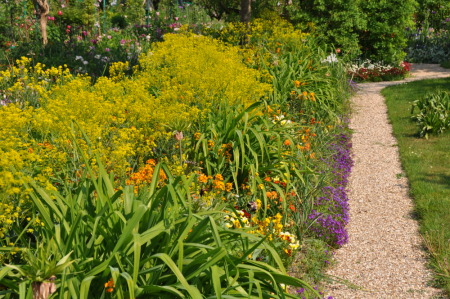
[[272, 194], [109, 286], [287, 142], [297, 83], [202, 178]]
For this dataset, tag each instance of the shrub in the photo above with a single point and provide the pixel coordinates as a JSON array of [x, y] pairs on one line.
[[384, 39], [429, 45], [434, 113], [432, 14], [336, 23]]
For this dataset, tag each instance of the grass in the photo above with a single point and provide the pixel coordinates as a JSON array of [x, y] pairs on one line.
[[426, 164]]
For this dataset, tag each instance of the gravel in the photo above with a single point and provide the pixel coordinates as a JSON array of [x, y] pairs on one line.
[[384, 257]]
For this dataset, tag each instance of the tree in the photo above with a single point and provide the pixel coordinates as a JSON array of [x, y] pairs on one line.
[[42, 9], [246, 11]]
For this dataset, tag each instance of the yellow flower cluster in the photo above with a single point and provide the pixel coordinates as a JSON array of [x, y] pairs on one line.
[[117, 70], [23, 83], [294, 244], [8, 215], [236, 220], [45, 114], [271, 226], [273, 33], [191, 69]]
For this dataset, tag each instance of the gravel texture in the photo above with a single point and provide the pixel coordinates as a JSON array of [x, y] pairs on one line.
[[384, 257]]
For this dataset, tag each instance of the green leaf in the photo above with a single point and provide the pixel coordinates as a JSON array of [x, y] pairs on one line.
[[193, 292], [85, 285]]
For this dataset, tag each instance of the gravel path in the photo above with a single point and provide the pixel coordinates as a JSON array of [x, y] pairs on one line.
[[384, 257]]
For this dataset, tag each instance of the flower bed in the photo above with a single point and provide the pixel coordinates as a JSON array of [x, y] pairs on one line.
[[177, 163], [368, 71]]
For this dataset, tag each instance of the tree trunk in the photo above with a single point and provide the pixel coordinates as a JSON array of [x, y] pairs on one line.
[[246, 11], [42, 9], [246, 15]]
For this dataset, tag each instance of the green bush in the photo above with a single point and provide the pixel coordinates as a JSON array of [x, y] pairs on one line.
[[336, 21], [425, 45], [434, 113], [432, 13], [384, 38], [119, 21]]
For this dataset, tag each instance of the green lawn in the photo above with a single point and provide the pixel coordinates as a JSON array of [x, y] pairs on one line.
[[427, 165]]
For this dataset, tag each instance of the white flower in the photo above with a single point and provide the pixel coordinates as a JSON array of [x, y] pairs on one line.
[[330, 58], [78, 57]]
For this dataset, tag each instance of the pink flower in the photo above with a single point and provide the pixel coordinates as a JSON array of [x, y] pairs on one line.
[[60, 13], [176, 18], [178, 135]]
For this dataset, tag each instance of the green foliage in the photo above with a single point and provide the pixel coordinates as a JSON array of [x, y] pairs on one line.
[[384, 39], [434, 113], [432, 13], [336, 23], [150, 244], [446, 64], [77, 13], [229, 10], [245, 149], [427, 44], [119, 21], [217, 9]]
